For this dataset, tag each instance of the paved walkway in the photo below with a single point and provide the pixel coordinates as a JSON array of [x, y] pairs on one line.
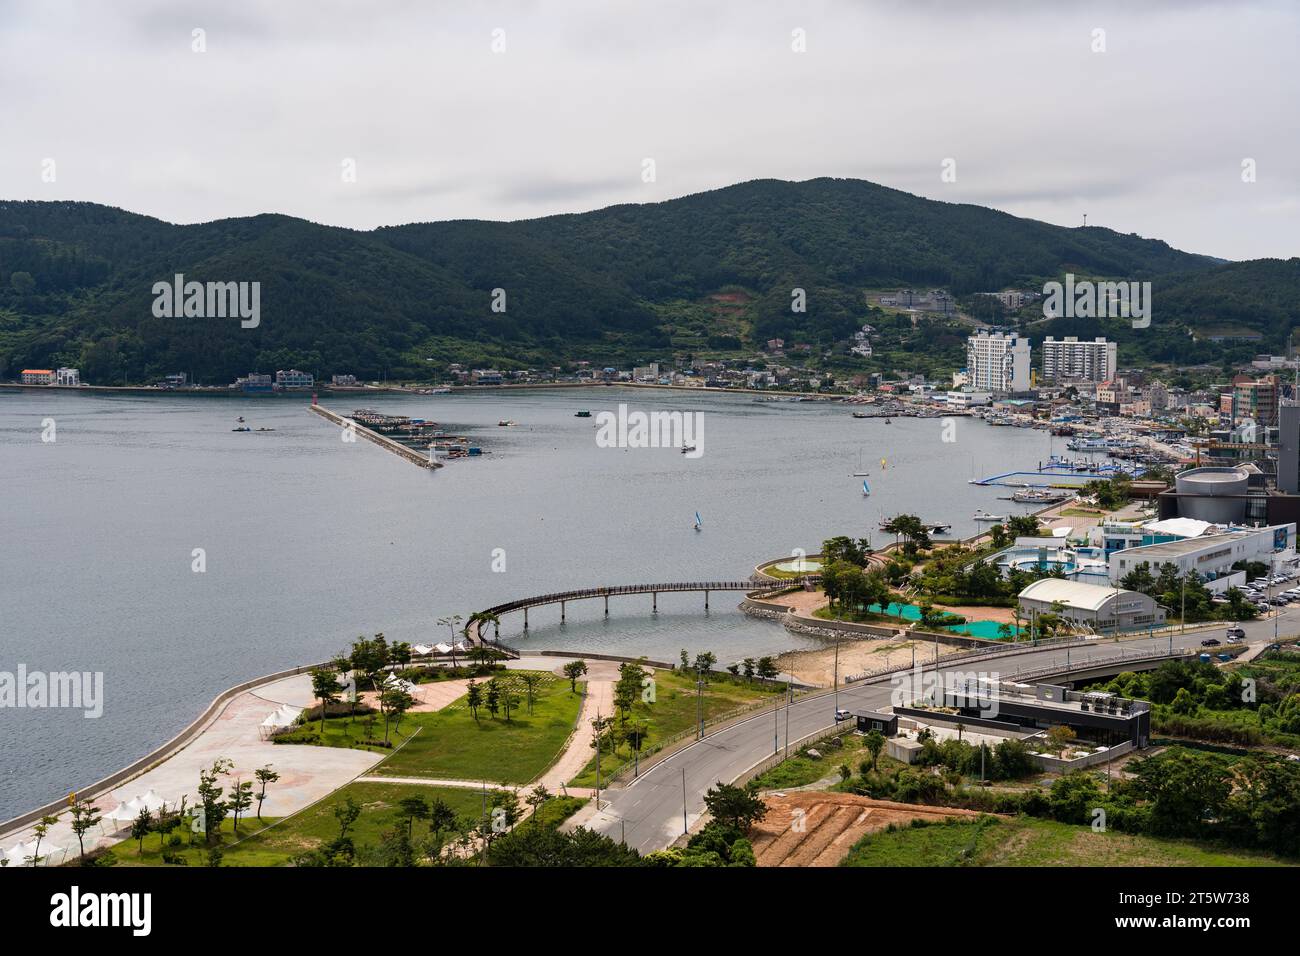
[[307, 773]]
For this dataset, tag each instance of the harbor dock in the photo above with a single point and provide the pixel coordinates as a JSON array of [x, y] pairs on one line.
[[383, 441]]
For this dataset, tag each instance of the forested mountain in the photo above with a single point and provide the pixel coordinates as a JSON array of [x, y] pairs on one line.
[[615, 284]]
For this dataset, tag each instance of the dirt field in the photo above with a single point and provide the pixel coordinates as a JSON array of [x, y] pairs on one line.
[[831, 824], [857, 657]]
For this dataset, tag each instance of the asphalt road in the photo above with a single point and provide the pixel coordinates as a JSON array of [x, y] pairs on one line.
[[654, 810]]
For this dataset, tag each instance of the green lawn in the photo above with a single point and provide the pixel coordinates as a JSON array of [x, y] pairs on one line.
[[315, 826], [801, 770], [1028, 841], [674, 711], [452, 745]]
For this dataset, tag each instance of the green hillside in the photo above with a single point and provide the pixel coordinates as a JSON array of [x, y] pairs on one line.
[[625, 283]]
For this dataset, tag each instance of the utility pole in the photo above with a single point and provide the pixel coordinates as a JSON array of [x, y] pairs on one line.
[[685, 829], [699, 704], [789, 695], [598, 726], [776, 727], [835, 681], [1182, 614]]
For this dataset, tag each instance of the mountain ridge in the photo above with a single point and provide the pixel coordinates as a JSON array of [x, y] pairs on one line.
[[627, 282]]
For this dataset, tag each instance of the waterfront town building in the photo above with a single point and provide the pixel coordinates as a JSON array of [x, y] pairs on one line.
[[1068, 359], [997, 362]]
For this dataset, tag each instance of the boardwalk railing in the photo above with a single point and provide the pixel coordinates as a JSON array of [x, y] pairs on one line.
[[583, 594]]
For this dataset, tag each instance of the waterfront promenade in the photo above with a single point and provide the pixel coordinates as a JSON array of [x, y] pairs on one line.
[[307, 773]]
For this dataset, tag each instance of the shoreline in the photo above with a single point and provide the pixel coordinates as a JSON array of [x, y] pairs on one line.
[[221, 391]]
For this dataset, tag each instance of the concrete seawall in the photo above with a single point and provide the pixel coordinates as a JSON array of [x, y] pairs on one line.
[[157, 756], [383, 441]]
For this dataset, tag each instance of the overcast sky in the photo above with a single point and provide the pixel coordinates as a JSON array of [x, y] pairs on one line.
[[1148, 136]]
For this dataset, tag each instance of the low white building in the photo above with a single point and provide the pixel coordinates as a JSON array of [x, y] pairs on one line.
[[968, 398], [67, 376], [1092, 606], [1211, 556]]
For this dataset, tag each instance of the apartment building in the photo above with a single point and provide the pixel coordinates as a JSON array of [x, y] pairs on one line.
[[997, 362], [1070, 359]]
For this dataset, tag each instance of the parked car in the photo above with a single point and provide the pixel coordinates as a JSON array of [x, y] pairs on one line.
[[1211, 642], [841, 715]]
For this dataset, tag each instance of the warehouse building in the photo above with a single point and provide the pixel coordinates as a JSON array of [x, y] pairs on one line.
[[1095, 607]]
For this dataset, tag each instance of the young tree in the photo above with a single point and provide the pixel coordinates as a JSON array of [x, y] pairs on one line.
[[240, 799], [325, 688], [767, 669], [874, 743], [631, 676], [140, 828], [494, 696], [509, 701], [346, 813], [264, 775], [84, 816], [441, 818], [575, 669], [704, 662], [473, 698], [413, 808], [747, 666], [209, 793], [40, 830], [394, 701], [531, 682], [536, 799]]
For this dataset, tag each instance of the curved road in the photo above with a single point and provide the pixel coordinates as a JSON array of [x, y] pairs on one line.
[[649, 812]]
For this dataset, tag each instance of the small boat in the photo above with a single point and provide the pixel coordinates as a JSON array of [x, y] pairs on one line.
[[582, 414], [505, 422], [865, 490], [887, 421], [241, 428], [686, 449], [699, 522], [861, 415], [862, 471], [264, 429], [985, 516]]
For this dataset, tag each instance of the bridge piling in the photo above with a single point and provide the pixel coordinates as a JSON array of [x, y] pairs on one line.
[[525, 619], [562, 605], [706, 600], [607, 605], [654, 602]]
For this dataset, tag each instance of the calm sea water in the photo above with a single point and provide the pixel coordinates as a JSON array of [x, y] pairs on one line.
[[311, 541]]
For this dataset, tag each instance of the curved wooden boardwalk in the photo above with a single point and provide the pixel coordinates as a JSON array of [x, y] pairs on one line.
[[562, 598]]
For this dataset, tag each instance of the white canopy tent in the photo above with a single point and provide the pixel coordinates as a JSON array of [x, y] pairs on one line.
[[286, 716], [126, 811], [18, 853], [442, 648], [423, 650]]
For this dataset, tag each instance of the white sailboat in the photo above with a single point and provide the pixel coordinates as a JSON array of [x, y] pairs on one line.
[[699, 522], [862, 471], [865, 490]]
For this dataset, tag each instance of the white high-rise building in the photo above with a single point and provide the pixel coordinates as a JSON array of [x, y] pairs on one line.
[[1069, 359], [997, 362]]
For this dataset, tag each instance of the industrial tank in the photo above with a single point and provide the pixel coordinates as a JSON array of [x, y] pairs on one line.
[[1207, 494]]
